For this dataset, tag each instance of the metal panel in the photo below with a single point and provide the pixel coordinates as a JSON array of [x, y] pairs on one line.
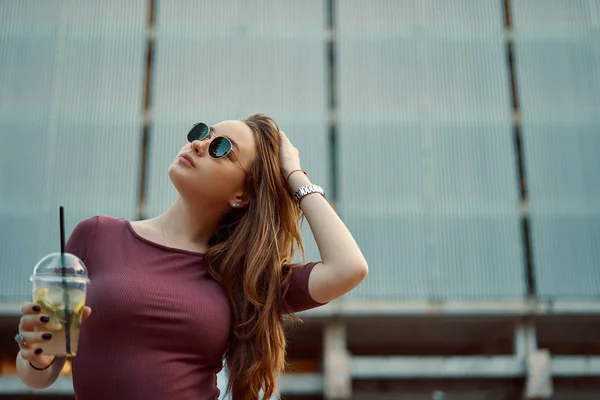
[[557, 53], [552, 16], [435, 256], [423, 79], [566, 251], [422, 60], [563, 172], [71, 79], [563, 167], [227, 60], [461, 18], [398, 254], [22, 164], [558, 68], [72, 60], [27, 55], [559, 78], [428, 180], [25, 240], [434, 212], [71, 76], [93, 169]]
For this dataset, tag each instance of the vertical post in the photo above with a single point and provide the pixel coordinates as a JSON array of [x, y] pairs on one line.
[[519, 152], [146, 109], [538, 363], [332, 101], [337, 378]]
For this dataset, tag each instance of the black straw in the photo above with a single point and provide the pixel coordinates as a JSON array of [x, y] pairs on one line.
[[64, 281], [62, 232]]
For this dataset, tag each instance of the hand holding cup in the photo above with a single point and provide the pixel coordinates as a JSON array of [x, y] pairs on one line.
[[33, 334]]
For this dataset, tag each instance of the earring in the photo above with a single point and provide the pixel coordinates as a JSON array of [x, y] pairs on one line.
[[235, 204]]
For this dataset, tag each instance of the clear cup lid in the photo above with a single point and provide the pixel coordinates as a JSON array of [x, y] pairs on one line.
[[57, 267]]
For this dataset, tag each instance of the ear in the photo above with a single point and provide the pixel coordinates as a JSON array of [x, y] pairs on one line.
[[239, 201]]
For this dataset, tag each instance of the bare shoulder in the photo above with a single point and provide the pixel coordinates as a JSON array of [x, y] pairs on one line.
[[146, 229]]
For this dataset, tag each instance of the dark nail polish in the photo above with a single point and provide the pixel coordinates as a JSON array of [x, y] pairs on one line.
[[44, 319], [47, 336], [38, 351], [37, 308]]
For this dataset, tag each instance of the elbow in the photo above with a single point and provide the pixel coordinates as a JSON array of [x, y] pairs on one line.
[[361, 272]]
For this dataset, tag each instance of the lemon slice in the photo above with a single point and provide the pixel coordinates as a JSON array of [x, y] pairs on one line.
[[52, 299], [40, 294], [55, 298], [76, 300], [53, 325]]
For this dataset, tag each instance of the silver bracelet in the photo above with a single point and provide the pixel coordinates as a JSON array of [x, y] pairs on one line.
[[306, 190]]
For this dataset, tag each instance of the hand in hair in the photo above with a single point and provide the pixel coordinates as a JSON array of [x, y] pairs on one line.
[[288, 154]]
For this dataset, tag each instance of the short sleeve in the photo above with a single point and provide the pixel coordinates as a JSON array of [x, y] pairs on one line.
[[297, 297], [82, 238]]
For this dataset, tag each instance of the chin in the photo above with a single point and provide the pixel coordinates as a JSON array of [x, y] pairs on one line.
[[179, 179], [187, 185]]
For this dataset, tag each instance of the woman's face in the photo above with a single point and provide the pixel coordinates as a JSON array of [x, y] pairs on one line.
[[212, 180]]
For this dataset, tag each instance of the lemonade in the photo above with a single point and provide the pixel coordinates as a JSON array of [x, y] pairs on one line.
[[60, 281], [52, 301]]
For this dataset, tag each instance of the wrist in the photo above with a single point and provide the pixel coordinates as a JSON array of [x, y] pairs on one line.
[[44, 362], [287, 172], [47, 364], [297, 180]]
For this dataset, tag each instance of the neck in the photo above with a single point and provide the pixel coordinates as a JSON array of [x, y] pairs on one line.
[[185, 224]]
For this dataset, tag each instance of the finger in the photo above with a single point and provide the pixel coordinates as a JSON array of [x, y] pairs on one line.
[[29, 322], [33, 338], [86, 312], [29, 354], [30, 308], [35, 356]]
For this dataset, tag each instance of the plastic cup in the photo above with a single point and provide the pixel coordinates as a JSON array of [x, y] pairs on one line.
[[59, 286]]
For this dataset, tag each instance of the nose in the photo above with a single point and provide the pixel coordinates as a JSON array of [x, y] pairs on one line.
[[200, 146]]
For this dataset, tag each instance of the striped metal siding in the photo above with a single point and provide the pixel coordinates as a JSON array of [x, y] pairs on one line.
[[558, 60], [227, 60], [558, 66], [27, 40], [25, 240], [428, 181], [71, 76]]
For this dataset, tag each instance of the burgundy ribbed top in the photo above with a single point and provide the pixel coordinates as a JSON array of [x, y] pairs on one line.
[[160, 324]]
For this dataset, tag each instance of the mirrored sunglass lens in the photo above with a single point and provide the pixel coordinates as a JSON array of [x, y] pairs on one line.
[[198, 132], [219, 147]]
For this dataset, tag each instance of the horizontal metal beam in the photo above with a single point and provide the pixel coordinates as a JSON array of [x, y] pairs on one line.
[[398, 367], [570, 307], [574, 366], [288, 384], [301, 384], [399, 308], [361, 308], [426, 307], [10, 309], [394, 367], [13, 385]]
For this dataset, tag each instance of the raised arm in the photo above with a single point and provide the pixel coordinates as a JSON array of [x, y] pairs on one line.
[[343, 265]]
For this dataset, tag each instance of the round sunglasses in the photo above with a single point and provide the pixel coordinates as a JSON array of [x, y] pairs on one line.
[[219, 147]]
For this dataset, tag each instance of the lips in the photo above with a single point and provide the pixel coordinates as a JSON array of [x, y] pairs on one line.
[[189, 158]]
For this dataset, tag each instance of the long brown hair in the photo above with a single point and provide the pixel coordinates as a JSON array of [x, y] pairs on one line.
[[249, 255]]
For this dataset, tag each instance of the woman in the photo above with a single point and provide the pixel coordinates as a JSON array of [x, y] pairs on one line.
[[208, 279]]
